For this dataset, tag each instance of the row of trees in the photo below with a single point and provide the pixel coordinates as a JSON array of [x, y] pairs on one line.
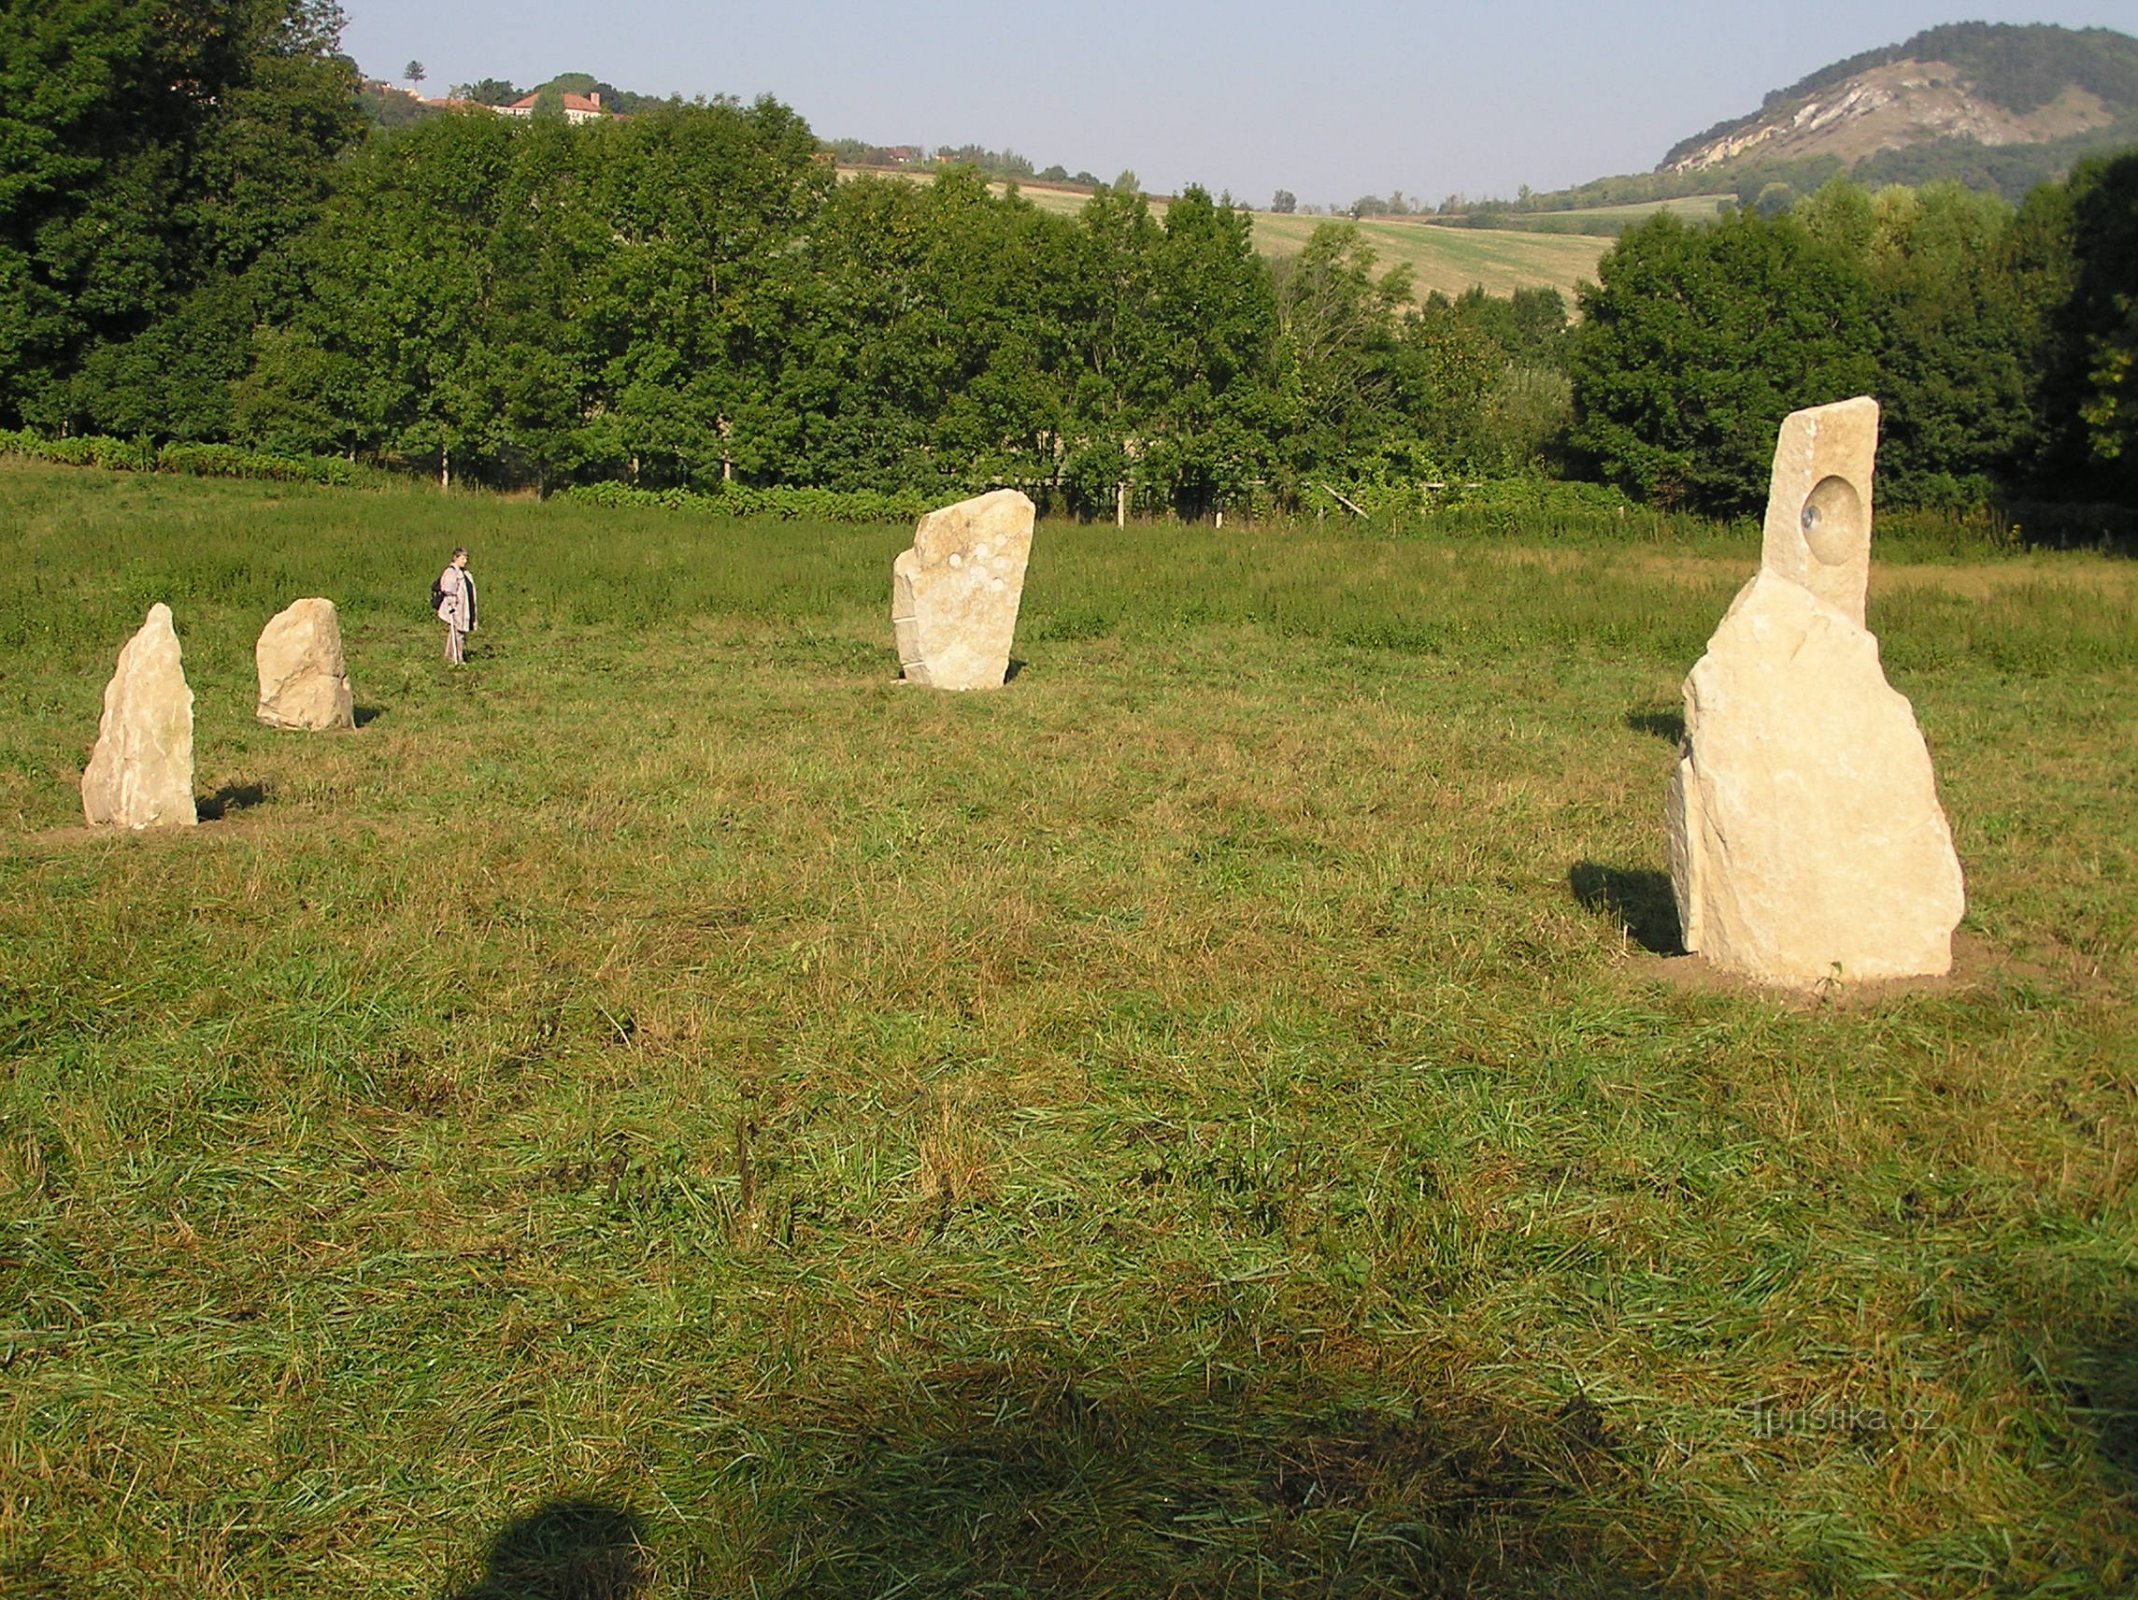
[[2000, 341], [158, 157], [197, 244], [691, 295], [1006, 164]]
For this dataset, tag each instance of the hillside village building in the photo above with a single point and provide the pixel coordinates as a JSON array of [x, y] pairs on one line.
[[577, 107]]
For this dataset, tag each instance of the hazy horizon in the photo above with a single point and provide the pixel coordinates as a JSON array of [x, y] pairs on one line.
[[1368, 97]]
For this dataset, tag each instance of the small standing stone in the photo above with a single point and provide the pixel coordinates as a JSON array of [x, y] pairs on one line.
[[304, 682], [141, 773], [1807, 844], [954, 595]]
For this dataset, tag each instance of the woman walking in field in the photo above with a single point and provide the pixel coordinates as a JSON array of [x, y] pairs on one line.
[[456, 604]]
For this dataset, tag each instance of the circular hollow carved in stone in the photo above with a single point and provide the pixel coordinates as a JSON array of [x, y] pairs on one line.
[[1834, 522]]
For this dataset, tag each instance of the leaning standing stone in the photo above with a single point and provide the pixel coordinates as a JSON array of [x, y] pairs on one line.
[[954, 595], [303, 680], [141, 772], [1807, 844]]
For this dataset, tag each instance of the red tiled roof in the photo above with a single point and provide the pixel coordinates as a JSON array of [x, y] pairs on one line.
[[572, 102]]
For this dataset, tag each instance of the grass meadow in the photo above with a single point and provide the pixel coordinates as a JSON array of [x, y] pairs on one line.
[[1612, 220], [668, 1111], [1450, 260]]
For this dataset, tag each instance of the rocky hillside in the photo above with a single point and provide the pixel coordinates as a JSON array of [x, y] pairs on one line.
[[1968, 95]]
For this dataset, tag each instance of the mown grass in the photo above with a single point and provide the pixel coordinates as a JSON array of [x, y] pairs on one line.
[[1500, 260], [669, 1111]]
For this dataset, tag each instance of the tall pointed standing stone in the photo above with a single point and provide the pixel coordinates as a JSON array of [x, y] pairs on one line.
[[954, 595], [1806, 840], [1818, 528], [304, 682], [141, 773]]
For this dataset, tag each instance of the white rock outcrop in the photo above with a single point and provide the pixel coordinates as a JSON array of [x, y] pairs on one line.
[[954, 595], [141, 772], [304, 681], [1807, 844]]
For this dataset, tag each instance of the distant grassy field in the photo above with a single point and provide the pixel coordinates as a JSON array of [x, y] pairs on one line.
[[1447, 259], [668, 1111], [1454, 259], [1610, 221]]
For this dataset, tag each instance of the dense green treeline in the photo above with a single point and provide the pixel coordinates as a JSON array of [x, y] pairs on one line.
[[155, 158], [689, 297], [2000, 342], [200, 245]]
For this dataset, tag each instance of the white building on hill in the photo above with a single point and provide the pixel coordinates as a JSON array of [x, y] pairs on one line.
[[577, 107]]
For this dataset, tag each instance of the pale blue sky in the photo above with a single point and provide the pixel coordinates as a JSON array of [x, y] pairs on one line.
[[1333, 101]]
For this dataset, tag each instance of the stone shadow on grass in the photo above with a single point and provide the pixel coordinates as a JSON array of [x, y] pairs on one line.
[[999, 1477], [1641, 902], [364, 716], [1667, 725], [230, 797], [568, 1550]]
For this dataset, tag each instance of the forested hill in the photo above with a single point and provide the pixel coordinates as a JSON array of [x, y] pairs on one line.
[[1996, 105]]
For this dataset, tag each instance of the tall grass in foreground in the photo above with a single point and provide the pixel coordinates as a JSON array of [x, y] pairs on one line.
[[668, 1111]]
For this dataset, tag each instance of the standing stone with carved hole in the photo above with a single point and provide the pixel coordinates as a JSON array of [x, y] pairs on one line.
[[141, 772], [954, 595], [1807, 844], [303, 680]]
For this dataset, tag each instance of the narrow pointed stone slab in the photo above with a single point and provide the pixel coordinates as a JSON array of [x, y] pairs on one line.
[[1818, 528], [304, 682], [141, 773], [1807, 844], [954, 595]]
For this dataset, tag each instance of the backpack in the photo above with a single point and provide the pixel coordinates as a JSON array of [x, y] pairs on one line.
[[437, 593]]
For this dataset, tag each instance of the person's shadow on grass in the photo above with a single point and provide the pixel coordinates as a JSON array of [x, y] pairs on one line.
[[1001, 1477], [570, 1550], [1011, 1479]]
